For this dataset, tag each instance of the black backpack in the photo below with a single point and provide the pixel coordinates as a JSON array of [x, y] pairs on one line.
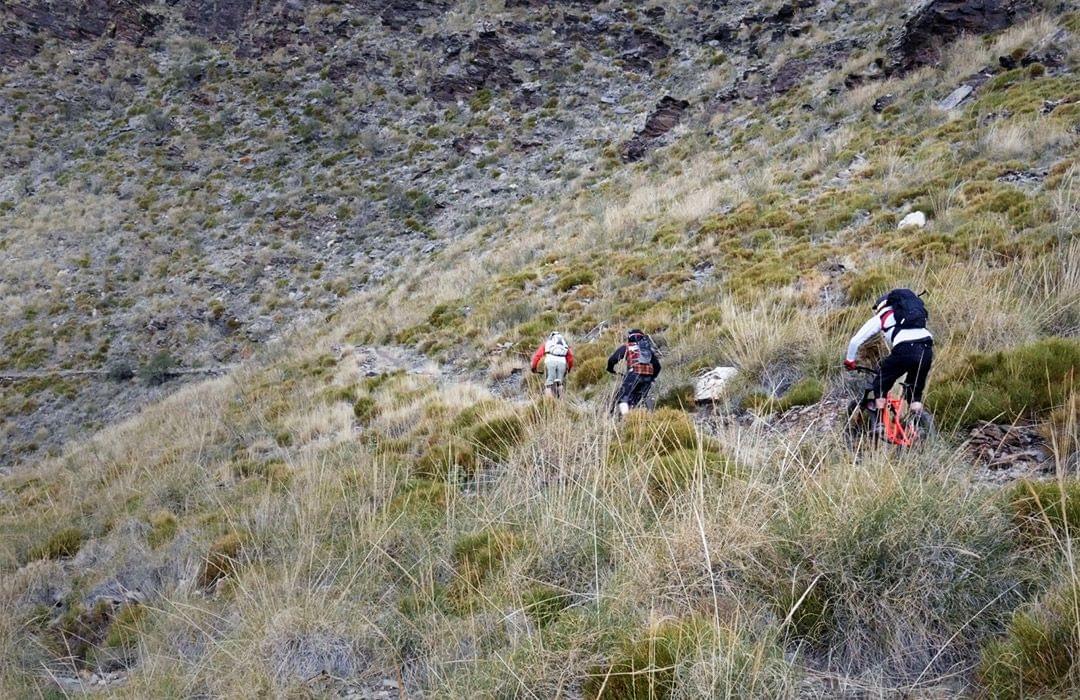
[[908, 309], [645, 350]]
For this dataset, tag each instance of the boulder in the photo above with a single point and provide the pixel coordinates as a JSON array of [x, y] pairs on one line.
[[710, 386], [915, 219]]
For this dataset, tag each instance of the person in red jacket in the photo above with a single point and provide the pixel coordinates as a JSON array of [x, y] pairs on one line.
[[558, 361]]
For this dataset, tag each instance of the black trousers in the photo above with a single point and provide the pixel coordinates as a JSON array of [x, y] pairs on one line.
[[634, 388], [913, 359]]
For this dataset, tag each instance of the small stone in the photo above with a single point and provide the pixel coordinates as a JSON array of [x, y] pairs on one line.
[[915, 219]]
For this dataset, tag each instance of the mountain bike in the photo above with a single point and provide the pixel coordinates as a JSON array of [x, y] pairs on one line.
[[896, 425]]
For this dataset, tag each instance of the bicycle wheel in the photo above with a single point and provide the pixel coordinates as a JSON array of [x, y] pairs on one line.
[[922, 423], [856, 423]]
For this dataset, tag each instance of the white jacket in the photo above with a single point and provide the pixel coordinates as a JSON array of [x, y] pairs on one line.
[[884, 323]]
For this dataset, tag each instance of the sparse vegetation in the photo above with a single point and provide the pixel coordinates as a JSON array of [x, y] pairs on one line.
[[374, 493]]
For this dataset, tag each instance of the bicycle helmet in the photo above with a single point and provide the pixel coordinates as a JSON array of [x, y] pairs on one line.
[[634, 334]]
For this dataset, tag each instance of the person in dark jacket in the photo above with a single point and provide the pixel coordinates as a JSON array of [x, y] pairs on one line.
[[642, 368]]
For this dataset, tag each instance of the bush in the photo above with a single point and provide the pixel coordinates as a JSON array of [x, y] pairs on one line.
[[445, 456], [60, 545], [588, 372], [1062, 428], [158, 369], [543, 604], [672, 472], [1045, 511], [477, 555], [1038, 655], [119, 371], [867, 286], [880, 569], [494, 437], [364, 409], [1022, 383], [806, 392], [574, 278], [645, 667], [679, 397], [123, 633], [655, 434]]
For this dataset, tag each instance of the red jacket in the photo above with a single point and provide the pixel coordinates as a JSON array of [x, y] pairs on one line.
[[539, 355]]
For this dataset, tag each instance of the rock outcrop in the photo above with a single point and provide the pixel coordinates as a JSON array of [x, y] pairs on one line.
[[662, 120], [934, 23]]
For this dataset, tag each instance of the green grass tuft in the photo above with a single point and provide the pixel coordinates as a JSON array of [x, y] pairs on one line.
[[645, 667], [1003, 386], [1037, 657], [60, 545]]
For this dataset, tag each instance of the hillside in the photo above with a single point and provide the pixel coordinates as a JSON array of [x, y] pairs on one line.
[[368, 214]]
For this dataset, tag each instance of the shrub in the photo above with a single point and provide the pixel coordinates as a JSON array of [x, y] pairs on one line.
[[588, 372], [806, 392], [364, 409], [444, 456], [543, 604], [477, 555], [1038, 655], [60, 545], [867, 286], [672, 472], [658, 433], [1020, 383], [880, 569], [119, 371], [645, 667], [158, 369], [679, 397], [1046, 511], [494, 437], [123, 633], [1062, 428], [422, 497], [222, 559], [574, 278]]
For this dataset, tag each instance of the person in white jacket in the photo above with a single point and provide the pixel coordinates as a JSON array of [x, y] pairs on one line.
[[911, 344]]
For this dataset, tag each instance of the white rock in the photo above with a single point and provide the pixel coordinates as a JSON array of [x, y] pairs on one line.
[[956, 97], [915, 219], [710, 386]]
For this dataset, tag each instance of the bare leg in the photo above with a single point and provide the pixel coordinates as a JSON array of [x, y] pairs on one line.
[[549, 392], [916, 406], [880, 403]]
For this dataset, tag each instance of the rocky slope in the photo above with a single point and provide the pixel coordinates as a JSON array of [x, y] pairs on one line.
[[180, 184], [375, 210]]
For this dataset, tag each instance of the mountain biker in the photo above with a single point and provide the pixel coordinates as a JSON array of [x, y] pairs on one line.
[[900, 316], [558, 361], [642, 367]]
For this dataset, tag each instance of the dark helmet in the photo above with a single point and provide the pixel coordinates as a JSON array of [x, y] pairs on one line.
[[634, 334], [881, 302]]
